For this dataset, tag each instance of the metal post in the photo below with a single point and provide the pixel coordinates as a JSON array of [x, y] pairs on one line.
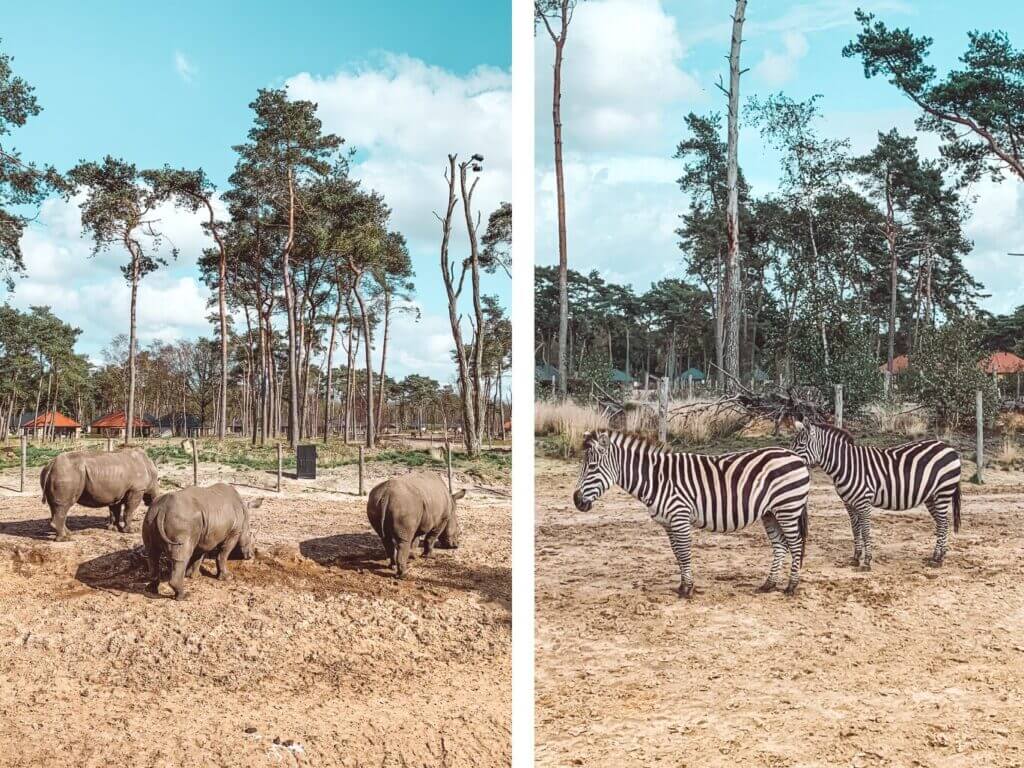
[[195, 463], [979, 417], [448, 452], [280, 466], [361, 469], [839, 405], [24, 460], [663, 410]]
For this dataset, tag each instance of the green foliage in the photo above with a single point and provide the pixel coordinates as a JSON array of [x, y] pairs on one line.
[[852, 363], [944, 374], [594, 368]]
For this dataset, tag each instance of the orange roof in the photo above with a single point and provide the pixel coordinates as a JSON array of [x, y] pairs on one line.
[[51, 419], [899, 364], [116, 420], [1002, 362]]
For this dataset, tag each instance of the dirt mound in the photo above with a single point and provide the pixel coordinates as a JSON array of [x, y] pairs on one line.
[[313, 654], [905, 665]]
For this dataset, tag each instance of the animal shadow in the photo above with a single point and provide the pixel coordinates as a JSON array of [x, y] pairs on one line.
[[125, 570], [40, 529], [350, 551]]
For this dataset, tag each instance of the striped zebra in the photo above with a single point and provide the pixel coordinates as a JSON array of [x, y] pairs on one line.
[[923, 472], [720, 493]]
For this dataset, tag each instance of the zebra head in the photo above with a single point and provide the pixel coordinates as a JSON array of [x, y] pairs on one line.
[[599, 470], [807, 443]]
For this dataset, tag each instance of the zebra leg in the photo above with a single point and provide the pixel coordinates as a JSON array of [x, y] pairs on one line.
[[941, 511], [858, 543], [778, 542], [864, 520], [680, 538], [791, 529]]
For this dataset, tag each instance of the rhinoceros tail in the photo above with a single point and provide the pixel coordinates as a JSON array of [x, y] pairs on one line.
[[380, 525], [43, 477], [160, 529]]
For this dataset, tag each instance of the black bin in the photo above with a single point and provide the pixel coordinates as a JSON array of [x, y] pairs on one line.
[[305, 462]]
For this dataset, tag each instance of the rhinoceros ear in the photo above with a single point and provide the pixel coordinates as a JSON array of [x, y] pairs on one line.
[[459, 494], [255, 503]]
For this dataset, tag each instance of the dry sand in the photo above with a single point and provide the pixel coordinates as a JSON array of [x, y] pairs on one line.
[[903, 666], [312, 655]]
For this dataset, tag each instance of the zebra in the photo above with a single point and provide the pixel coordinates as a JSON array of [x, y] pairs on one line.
[[925, 471], [720, 493]]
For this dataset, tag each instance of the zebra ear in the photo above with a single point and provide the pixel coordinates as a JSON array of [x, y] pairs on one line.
[[602, 439], [798, 425]]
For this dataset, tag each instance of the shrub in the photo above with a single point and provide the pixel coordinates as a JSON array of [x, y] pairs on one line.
[[943, 374], [852, 363]]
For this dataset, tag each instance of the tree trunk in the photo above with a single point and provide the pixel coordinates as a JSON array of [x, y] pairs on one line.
[[368, 349], [289, 296], [384, 352], [330, 367], [129, 417], [891, 241], [732, 263]]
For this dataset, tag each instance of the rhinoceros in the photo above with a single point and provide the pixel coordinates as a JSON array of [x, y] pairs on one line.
[[117, 480], [410, 506], [189, 524]]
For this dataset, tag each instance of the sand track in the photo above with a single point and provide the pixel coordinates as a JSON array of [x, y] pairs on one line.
[[312, 655], [903, 666]]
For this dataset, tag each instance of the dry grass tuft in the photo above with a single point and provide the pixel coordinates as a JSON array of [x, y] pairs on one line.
[[567, 420], [1010, 452], [696, 421], [895, 418]]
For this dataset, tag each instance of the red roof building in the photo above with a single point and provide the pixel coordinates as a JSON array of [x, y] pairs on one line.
[[1002, 363], [61, 424], [899, 364], [115, 423]]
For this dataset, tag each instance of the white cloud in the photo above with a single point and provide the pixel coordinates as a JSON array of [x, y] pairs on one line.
[[186, 70], [624, 61], [778, 67]]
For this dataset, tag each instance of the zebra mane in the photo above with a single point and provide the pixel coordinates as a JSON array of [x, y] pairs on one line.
[[638, 438], [841, 433]]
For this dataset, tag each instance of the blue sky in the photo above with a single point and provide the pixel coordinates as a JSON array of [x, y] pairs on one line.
[[625, 97], [403, 82]]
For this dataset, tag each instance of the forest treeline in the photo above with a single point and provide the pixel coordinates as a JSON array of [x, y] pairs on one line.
[[307, 274]]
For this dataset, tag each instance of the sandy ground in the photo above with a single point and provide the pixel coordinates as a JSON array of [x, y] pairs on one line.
[[312, 655], [903, 666]]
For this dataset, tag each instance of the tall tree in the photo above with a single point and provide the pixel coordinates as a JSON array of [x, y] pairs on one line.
[[556, 15], [978, 110], [192, 190], [287, 147], [733, 287], [393, 274], [21, 183], [117, 209]]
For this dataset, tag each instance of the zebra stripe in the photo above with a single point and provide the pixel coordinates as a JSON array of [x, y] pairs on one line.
[[923, 472], [719, 493]]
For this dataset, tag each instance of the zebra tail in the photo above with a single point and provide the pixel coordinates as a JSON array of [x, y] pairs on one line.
[[802, 527], [956, 509]]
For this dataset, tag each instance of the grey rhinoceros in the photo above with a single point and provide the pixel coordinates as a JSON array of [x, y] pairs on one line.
[[119, 481], [410, 506], [188, 524]]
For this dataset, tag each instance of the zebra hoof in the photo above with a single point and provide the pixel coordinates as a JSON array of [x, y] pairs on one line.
[[790, 590], [854, 561], [864, 567], [768, 586], [686, 590], [934, 562]]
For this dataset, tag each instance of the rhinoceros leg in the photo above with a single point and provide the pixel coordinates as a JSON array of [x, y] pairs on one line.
[[195, 564], [401, 557], [222, 557], [131, 503], [115, 516], [389, 550], [58, 514], [179, 562], [428, 543]]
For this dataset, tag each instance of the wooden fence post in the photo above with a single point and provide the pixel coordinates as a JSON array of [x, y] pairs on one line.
[[663, 410], [110, 444], [24, 460], [448, 452], [195, 463], [361, 469], [839, 405], [979, 417], [280, 466]]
